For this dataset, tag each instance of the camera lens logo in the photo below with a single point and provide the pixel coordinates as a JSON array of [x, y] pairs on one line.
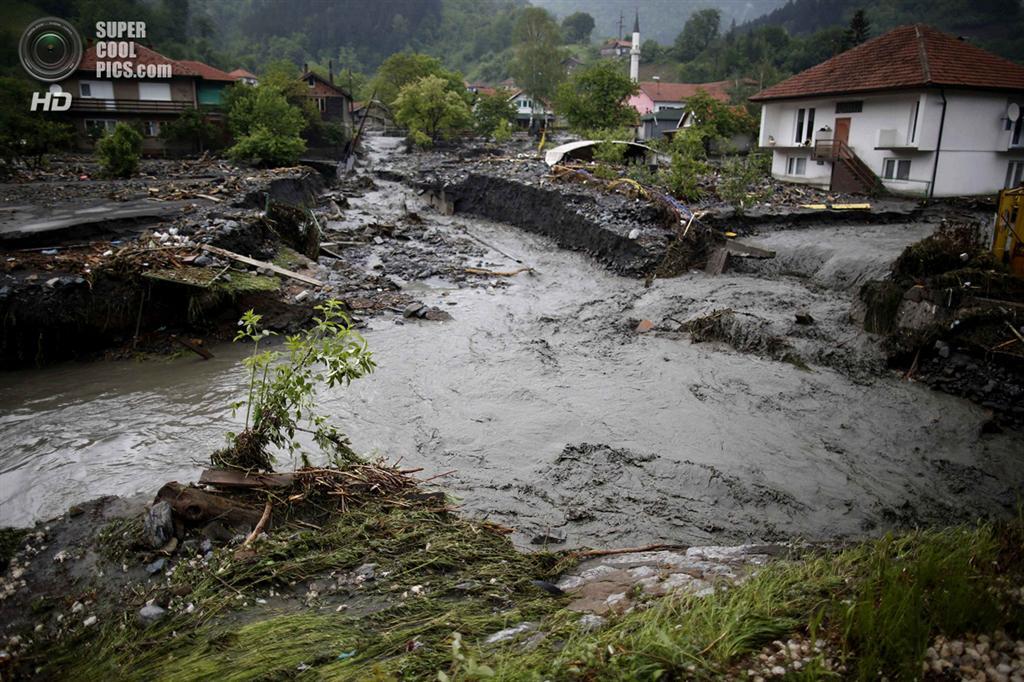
[[50, 49]]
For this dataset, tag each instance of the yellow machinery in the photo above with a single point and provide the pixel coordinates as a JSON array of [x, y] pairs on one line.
[[1008, 235]]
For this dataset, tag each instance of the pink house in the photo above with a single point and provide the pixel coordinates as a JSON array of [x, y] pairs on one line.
[[656, 95]]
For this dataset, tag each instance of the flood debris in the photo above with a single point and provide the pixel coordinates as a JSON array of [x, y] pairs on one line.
[[951, 317]]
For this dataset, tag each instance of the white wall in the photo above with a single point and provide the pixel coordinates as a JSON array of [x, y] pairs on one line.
[[974, 156]]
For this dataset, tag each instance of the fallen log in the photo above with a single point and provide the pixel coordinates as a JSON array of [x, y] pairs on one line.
[[195, 348], [197, 507], [262, 264], [495, 273]]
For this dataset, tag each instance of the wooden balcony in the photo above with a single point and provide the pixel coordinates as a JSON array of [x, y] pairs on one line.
[[130, 106]]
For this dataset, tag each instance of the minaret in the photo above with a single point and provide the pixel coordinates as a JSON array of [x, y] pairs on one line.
[[634, 51]]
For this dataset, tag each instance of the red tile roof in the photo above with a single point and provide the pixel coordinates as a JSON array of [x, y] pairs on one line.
[[659, 91], [143, 55], [905, 57], [207, 72], [242, 73]]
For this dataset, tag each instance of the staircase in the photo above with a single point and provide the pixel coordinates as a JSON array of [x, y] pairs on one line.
[[849, 173]]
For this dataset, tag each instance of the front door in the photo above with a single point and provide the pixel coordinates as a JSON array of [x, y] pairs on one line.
[[842, 133]]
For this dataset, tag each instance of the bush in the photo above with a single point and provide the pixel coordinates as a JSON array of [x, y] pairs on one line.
[[119, 151], [193, 129], [283, 388], [689, 164], [264, 147], [740, 180]]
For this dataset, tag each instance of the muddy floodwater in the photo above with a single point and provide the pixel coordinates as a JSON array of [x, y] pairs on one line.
[[551, 412]]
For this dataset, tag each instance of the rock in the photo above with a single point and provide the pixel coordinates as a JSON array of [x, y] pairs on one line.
[[366, 572], [150, 614], [436, 315], [156, 566], [90, 621], [551, 536], [158, 526], [202, 261], [644, 327], [591, 622], [634, 233], [412, 309], [550, 588], [302, 296], [804, 318], [510, 633]]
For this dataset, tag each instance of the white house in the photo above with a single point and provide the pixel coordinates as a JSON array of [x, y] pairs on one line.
[[917, 110], [530, 112]]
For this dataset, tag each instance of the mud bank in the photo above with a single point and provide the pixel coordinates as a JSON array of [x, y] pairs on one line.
[[628, 238]]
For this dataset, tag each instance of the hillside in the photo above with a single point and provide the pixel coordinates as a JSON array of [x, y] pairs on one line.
[[993, 24]]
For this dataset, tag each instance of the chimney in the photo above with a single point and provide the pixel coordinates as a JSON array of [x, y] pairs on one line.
[[330, 71], [305, 67]]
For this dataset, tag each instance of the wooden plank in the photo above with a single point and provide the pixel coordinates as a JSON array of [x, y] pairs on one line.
[[198, 350], [233, 478], [262, 264], [716, 261]]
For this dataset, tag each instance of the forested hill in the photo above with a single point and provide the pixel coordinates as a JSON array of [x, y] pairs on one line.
[[660, 20], [996, 25]]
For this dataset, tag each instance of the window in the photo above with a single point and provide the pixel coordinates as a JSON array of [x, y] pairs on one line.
[[796, 165], [913, 121], [1014, 174], [96, 89], [85, 89], [851, 107], [151, 128], [321, 104], [804, 132], [159, 92], [94, 127], [896, 169], [1015, 139]]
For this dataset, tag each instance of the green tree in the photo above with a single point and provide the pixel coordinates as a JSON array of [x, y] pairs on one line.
[[403, 68], [577, 27], [689, 164], [192, 129], [858, 31], [537, 65], [285, 78], [699, 32], [430, 110], [266, 127], [595, 98], [119, 151], [493, 112]]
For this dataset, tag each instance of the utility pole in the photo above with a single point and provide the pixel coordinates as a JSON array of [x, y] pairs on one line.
[[621, 19]]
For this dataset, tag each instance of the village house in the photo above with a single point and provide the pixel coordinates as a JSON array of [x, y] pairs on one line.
[[661, 105], [99, 104], [616, 48], [530, 111], [915, 110], [332, 101], [373, 116], [243, 76]]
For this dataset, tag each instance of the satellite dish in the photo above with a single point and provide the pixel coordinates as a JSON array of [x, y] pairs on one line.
[[1013, 111]]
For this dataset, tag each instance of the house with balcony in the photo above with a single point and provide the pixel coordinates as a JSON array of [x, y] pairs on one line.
[[531, 112], [99, 103], [915, 111]]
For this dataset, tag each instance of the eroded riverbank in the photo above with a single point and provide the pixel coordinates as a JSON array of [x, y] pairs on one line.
[[553, 413]]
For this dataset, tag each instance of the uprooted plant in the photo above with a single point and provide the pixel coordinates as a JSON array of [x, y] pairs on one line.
[[283, 388]]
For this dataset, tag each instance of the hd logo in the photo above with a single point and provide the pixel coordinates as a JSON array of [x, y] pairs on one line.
[[54, 99]]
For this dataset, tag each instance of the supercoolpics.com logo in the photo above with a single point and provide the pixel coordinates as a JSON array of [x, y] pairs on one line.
[[51, 50]]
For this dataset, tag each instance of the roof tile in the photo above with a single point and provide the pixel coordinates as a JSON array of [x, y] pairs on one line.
[[905, 57]]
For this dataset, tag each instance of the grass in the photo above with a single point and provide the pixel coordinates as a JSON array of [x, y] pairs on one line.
[[877, 603]]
